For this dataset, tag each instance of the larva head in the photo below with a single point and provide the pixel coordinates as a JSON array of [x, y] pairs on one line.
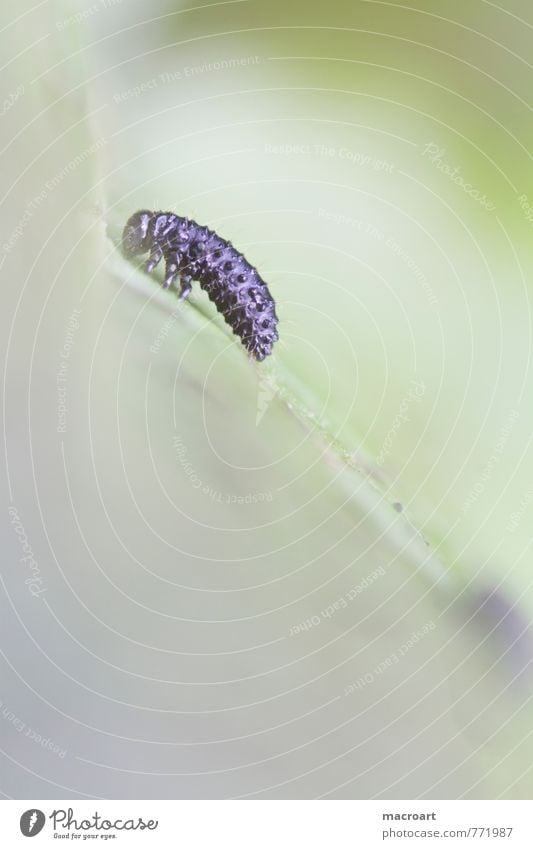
[[137, 237]]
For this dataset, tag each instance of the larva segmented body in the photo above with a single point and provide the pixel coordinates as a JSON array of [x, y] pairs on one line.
[[196, 253]]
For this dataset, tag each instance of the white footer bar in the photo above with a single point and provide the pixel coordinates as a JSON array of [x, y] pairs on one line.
[[270, 824]]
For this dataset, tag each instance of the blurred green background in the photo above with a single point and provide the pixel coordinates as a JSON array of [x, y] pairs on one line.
[[308, 577]]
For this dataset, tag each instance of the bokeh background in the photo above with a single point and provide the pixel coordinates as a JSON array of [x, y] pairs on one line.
[[310, 577]]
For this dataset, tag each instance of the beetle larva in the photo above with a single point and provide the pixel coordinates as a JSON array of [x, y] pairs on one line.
[[196, 253]]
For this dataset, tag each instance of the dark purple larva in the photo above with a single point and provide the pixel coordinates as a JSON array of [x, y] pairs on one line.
[[196, 253]]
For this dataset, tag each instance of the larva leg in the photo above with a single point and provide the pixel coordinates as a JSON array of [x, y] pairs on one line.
[[186, 286], [156, 255], [171, 271]]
